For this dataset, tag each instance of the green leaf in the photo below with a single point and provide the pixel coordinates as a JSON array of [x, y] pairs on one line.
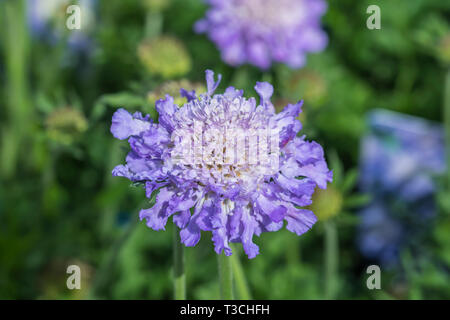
[[350, 180], [336, 166], [348, 218], [356, 201], [123, 99]]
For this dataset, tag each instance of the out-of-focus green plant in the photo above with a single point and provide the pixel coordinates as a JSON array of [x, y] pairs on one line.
[[306, 84], [339, 198], [433, 35], [157, 5], [17, 109], [53, 280], [64, 125], [326, 203], [164, 56], [331, 207]]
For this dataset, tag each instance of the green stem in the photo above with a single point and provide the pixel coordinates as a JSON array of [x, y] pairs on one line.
[[331, 259], [225, 277], [18, 111], [178, 266], [447, 123], [153, 24], [239, 276]]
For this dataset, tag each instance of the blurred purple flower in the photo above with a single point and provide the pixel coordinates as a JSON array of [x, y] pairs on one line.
[[400, 158], [47, 22], [231, 198], [39, 14], [260, 32]]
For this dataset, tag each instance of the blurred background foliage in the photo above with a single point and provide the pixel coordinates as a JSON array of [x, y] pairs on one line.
[[59, 204]]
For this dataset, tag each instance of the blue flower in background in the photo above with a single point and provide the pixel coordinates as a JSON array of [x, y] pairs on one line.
[[47, 22], [400, 157], [192, 158], [40, 13], [260, 32]]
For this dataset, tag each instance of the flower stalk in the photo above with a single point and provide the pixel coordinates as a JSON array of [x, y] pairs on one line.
[[239, 276], [178, 266], [17, 105], [331, 259], [225, 277], [153, 24]]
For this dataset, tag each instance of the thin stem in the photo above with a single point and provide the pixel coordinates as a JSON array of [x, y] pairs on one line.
[[447, 122], [178, 266], [153, 24], [225, 277], [331, 259], [18, 110], [239, 276]]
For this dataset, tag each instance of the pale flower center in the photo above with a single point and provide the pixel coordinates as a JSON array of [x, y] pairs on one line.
[[269, 13], [223, 156]]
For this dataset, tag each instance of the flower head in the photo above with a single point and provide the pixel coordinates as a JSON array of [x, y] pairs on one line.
[[165, 56], [223, 163], [65, 124], [326, 203], [262, 31]]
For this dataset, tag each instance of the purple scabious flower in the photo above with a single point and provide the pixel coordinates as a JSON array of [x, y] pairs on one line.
[[223, 163], [262, 31]]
